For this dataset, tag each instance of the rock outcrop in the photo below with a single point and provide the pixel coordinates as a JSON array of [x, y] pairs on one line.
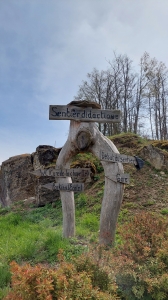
[[17, 183], [158, 158], [45, 156]]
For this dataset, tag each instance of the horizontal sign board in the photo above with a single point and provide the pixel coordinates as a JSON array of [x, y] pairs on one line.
[[115, 157], [86, 114], [74, 173], [121, 178], [66, 187]]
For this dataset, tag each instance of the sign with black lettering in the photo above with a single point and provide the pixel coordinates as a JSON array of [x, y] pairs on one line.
[[64, 112], [116, 157], [74, 173], [121, 178], [66, 187]]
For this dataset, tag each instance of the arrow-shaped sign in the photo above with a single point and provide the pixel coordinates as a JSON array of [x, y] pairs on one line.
[[121, 178], [66, 187], [74, 173], [116, 157]]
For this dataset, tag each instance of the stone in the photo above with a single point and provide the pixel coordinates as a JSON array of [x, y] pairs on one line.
[[17, 183], [44, 156], [154, 156]]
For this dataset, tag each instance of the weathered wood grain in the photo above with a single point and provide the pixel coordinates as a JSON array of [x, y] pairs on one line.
[[121, 178], [73, 173], [113, 191], [83, 114], [114, 157], [66, 187]]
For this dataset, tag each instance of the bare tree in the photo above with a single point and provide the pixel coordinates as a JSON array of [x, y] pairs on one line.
[[99, 88], [137, 95], [156, 93]]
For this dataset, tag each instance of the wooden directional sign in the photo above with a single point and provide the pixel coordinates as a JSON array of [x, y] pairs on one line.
[[64, 112], [122, 178], [115, 157], [74, 173], [66, 187]]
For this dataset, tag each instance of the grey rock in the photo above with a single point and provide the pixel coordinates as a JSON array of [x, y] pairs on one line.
[[17, 183], [154, 156]]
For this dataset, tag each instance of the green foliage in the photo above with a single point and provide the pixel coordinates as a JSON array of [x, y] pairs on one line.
[[142, 264], [5, 279], [99, 277], [129, 140], [145, 234], [52, 244], [5, 275], [164, 211], [39, 214], [4, 210], [123, 215], [82, 159], [96, 177], [81, 201], [90, 221], [135, 269], [148, 203]]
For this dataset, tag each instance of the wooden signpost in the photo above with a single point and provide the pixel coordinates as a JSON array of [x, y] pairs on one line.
[[84, 135], [115, 157], [74, 173], [64, 112], [121, 178], [66, 187]]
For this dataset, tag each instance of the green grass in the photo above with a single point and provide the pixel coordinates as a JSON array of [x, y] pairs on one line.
[[34, 235], [164, 211]]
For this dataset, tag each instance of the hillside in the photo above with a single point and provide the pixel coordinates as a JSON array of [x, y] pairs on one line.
[[148, 188], [136, 268]]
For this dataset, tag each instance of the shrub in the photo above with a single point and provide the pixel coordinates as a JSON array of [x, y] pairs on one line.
[[64, 282], [143, 236], [141, 264]]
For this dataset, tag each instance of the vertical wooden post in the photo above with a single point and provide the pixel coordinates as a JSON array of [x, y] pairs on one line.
[[113, 191]]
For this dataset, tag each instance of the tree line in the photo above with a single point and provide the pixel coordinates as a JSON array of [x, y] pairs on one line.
[[141, 95]]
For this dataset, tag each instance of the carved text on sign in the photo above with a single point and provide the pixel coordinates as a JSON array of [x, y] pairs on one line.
[[121, 178], [115, 157], [64, 112], [66, 187], [74, 173]]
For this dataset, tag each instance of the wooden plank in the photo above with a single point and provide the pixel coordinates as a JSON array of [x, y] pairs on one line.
[[66, 187], [64, 112], [73, 172], [121, 178], [115, 157]]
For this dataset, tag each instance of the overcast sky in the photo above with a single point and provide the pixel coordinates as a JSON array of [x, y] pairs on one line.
[[47, 47]]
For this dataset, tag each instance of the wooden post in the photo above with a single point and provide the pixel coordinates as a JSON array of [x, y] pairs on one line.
[[86, 136]]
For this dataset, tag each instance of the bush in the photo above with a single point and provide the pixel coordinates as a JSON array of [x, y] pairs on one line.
[[64, 282], [136, 269], [141, 264]]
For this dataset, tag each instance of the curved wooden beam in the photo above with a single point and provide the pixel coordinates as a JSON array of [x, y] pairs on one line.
[[83, 135]]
